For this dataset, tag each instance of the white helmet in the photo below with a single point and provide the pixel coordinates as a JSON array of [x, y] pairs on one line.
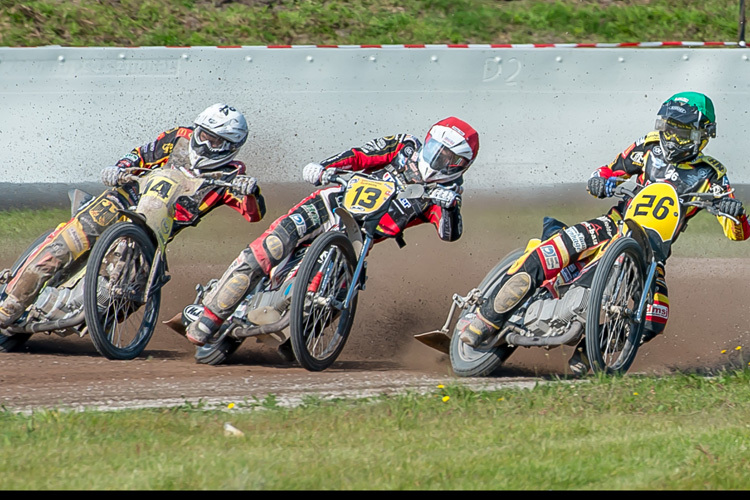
[[220, 131], [449, 149]]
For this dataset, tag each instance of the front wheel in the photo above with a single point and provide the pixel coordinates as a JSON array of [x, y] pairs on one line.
[[319, 325], [468, 361], [120, 313], [612, 333]]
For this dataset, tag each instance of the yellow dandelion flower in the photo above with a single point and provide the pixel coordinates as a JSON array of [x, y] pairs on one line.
[[723, 351], [738, 348], [441, 386], [446, 398], [501, 399], [635, 394], [230, 405]]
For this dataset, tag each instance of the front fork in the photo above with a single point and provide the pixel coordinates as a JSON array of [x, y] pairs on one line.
[[646, 291]]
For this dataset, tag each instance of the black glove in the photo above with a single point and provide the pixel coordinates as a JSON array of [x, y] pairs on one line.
[[730, 206], [600, 187]]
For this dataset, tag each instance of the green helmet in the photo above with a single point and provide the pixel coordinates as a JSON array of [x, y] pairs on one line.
[[685, 122]]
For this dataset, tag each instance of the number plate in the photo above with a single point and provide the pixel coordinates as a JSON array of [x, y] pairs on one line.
[[656, 207], [365, 196]]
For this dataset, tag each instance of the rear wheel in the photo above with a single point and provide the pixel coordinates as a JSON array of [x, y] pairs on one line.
[[319, 326], [612, 333], [120, 315], [218, 350], [468, 361], [17, 340]]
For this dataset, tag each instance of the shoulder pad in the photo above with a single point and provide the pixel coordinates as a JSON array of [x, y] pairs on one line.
[[651, 137], [720, 169]]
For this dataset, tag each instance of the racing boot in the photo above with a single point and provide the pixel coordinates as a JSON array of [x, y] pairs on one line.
[[10, 310], [200, 331], [579, 363], [509, 296], [474, 329]]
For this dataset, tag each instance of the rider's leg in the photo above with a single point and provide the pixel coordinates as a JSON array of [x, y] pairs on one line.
[[529, 272], [303, 221], [658, 313], [65, 246]]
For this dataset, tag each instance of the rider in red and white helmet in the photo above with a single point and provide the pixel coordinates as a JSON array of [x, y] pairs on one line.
[[448, 151], [451, 146]]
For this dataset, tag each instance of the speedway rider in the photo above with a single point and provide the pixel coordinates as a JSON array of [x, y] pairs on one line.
[[209, 145], [672, 153], [449, 149]]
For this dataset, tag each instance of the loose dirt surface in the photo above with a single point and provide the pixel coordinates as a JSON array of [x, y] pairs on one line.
[[408, 292]]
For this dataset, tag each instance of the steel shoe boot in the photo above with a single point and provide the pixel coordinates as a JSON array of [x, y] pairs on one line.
[[10, 310], [579, 363], [473, 330], [199, 332]]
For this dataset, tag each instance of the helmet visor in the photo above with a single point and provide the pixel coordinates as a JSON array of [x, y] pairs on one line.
[[678, 133], [441, 158]]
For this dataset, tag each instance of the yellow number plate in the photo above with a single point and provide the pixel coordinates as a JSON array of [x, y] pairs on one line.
[[656, 207], [365, 196]]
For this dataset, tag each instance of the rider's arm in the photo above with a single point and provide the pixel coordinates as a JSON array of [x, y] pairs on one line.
[[154, 154], [735, 232], [630, 162], [374, 154], [253, 206], [447, 221]]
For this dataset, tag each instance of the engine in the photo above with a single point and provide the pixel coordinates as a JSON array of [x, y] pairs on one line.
[[552, 317]]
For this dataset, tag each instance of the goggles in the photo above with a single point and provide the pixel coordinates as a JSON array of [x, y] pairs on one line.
[[213, 142], [441, 158], [679, 133]]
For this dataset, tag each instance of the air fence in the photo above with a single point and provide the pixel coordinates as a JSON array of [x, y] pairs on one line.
[[546, 114]]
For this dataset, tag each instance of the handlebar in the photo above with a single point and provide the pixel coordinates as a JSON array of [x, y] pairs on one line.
[[704, 200]]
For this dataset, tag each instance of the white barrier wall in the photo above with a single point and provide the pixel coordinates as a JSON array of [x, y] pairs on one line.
[[545, 115]]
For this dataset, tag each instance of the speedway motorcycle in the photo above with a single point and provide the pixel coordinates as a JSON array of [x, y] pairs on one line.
[[113, 295], [604, 300], [309, 299]]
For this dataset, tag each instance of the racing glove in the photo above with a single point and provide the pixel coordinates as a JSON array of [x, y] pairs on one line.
[[443, 197], [601, 187], [113, 176], [312, 173], [730, 206], [244, 185]]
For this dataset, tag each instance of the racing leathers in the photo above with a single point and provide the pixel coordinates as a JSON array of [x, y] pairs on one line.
[[561, 251], [389, 158], [68, 245]]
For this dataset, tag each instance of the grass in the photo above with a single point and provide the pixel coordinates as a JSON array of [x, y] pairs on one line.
[[683, 432], [625, 433], [300, 22]]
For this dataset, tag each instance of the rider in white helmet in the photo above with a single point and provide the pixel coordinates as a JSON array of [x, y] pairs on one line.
[[210, 144]]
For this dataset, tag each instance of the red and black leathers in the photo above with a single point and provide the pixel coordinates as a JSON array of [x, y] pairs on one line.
[[389, 158], [644, 159], [70, 242]]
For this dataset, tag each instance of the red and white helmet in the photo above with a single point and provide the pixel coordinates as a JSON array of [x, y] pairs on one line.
[[449, 149]]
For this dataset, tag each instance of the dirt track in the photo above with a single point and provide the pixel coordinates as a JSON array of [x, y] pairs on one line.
[[408, 292]]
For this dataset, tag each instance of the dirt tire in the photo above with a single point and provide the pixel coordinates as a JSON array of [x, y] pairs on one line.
[[119, 322], [319, 331], [612, 335], [467, 361]]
